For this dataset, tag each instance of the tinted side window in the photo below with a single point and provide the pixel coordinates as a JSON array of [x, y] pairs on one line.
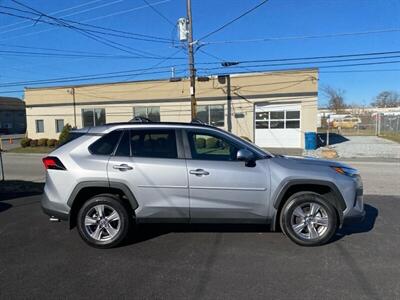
[[206, 146], [157, 143], [123, 147], [106, 144]]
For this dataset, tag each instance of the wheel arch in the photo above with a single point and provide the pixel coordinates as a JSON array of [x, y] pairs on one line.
[[326, 189], [85, 190]]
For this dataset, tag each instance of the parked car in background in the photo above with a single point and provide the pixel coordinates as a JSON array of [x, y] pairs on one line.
[[105, 178], [346, 122]]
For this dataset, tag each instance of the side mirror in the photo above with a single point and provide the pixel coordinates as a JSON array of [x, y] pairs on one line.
[[246, 156]]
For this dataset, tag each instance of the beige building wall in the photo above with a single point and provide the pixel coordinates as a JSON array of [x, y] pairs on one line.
[[118, 100]]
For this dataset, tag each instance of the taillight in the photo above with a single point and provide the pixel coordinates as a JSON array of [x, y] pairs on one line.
[[53, 163]]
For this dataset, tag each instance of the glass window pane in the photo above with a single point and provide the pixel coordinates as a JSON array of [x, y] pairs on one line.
[[277, 124], [59, 125], [100, 116], [153, 113], [106, 144], [293, 114], [153, 143], [277, 115], [262, 124], [39, 126], [123, 147], [209, 147], [87, 118], [262, 115], [140, 112], [202, 113], [217, 115], [292, 124]]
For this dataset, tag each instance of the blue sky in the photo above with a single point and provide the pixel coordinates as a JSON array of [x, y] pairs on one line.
[[276, 19]]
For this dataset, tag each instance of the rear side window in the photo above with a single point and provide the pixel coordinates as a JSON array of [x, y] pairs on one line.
[[157, 143], [71, 136], [106, 144], [123, 146]]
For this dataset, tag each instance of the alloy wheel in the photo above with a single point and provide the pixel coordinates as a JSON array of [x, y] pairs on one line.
[[102, 222]]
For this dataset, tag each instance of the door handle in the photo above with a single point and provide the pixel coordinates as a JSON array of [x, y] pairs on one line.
[[123, 167], [199, 172]]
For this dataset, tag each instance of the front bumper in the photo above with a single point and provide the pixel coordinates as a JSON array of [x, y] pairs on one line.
[[52, 209], [355, 214]]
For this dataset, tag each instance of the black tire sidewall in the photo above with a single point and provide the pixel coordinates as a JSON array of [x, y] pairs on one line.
[[124, 221], [307, 197]]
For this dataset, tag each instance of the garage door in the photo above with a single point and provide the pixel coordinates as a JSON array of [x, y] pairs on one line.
[[278, 126]]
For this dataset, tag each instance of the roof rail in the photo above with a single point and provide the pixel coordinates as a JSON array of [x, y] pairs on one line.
[[139, 119], [198, 121]]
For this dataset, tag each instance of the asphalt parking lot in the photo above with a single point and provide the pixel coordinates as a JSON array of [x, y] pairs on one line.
[[39, 259]]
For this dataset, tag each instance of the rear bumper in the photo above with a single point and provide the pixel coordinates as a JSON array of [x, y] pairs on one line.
[[52, 209]]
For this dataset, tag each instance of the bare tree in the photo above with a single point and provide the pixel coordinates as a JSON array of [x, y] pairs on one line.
[[387, 99], [335, 98]]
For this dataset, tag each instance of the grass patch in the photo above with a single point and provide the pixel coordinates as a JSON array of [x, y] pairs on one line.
[[391, 136], [31, 150]]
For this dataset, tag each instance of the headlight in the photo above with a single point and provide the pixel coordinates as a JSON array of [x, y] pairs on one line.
[[347, 171]]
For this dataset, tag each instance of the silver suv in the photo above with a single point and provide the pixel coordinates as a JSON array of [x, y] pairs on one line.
[[106, 178]]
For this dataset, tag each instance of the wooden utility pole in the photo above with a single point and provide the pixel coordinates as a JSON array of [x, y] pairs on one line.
[[192, 70]]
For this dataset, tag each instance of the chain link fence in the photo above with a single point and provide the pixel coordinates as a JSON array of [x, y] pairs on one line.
[[362, 124]]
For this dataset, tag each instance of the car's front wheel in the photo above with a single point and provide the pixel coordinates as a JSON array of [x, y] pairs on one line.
[[308, 219], [103, 221]]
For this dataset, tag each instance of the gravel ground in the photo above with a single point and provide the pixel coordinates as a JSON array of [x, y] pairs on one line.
[[363, 146]]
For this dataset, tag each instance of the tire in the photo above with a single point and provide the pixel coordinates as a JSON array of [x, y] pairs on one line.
[[297, 222], [108, 230]]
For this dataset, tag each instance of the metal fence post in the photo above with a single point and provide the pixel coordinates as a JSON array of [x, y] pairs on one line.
[[2, 166]]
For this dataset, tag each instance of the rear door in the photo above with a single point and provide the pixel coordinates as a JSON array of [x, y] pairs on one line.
[[149, 162]]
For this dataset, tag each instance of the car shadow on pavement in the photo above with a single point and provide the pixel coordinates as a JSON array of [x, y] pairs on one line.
[[13, 189], [371, 213], [144, 232], [4, 206]]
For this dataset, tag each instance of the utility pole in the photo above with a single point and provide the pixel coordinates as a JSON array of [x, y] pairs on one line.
[[193, 104], [72, 92]]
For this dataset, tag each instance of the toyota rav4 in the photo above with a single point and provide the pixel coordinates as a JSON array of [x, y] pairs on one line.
[[108, 177]]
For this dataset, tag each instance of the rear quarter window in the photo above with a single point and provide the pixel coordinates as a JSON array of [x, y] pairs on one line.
[[106, 144]]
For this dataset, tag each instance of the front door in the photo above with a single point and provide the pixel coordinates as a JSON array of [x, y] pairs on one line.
[[221, 188], [147, 161]]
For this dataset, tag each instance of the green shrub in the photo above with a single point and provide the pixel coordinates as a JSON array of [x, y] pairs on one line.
[[51, 143], [33, 143], [64, 134], [25, 142], [42, 142], [212, 143]]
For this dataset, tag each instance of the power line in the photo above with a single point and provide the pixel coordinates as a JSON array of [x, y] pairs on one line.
[[84, 32], [159, 13], [234, 20], [305, 37], [311, 57], [54, 12]]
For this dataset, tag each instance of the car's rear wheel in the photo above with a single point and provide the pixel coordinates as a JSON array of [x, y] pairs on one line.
[[103, 221], [308, 219]]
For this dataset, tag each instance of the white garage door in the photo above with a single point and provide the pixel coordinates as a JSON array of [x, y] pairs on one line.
[[278, 126]]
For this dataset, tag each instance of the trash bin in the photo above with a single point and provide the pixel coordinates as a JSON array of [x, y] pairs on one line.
[[310, 140]]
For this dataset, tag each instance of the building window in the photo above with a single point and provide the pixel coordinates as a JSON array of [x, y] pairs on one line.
[[59, 125], [150, 112], [282, 119], [39, 126], [93, 117], [211, 114]]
